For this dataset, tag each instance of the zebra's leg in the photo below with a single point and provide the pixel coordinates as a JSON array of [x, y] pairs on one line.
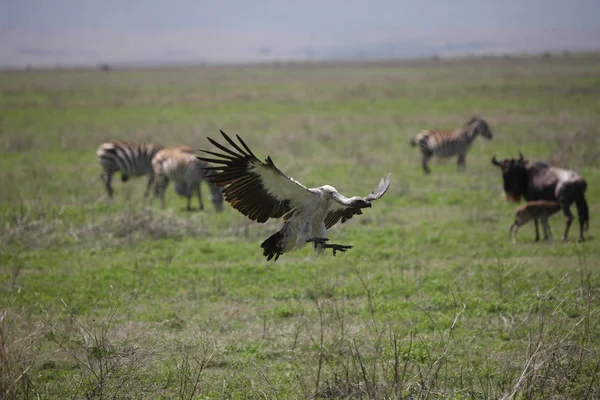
[[189, 195], [199, 191], [461, 162], [106, 178], [149, 185], [189, 201], [161, 189], [537, 230], [424, 161]]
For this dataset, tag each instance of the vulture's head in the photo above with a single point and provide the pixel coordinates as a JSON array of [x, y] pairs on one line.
[[359, 202]]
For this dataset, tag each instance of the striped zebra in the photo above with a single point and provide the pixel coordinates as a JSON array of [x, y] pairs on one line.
[[449, 144], [131, 160], [188, 172]]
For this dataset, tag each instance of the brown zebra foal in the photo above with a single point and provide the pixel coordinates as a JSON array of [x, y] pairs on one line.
[[187, 172], [541, 209]]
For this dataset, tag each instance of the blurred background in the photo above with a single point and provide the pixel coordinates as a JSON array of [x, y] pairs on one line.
[[153, 32]]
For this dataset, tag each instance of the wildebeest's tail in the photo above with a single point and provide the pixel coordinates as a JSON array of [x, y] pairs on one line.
[[582, 206], [413, 141], [583, 212], [273, 246]]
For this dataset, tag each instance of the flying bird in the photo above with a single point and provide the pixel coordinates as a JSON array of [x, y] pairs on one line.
[[260, 191]]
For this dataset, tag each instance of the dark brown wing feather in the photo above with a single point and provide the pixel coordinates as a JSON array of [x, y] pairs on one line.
[[384, 185], [345, 213], [257, 189]]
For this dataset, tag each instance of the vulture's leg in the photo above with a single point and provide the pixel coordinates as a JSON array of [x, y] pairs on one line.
[[335, 247], [317, 240], [338, 247]]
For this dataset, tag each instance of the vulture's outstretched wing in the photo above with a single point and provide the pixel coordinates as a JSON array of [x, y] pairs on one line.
[[384, 185], [341, 210], [259, 190]]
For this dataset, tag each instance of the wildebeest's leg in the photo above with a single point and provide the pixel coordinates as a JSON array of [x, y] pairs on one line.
[[106, 178], [537, 230], [461, 161], [569, 217], [568, 193]]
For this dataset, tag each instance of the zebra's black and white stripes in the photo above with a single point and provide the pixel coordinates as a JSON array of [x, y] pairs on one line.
[[187, 172], [131, 160], [449, 144]]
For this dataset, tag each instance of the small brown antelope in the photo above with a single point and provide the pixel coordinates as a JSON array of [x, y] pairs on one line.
[[541, 209]]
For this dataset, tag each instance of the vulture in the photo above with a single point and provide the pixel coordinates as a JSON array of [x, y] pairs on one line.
[[260, 191]]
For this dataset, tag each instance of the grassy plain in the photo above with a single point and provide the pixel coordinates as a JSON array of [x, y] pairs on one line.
[[434, 301]]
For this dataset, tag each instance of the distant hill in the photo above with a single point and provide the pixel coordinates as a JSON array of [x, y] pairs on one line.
[[410, 49]]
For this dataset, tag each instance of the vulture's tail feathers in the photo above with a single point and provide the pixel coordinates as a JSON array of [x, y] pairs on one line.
[[273, 246]]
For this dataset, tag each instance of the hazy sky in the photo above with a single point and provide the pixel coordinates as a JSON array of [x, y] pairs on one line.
[[91, 31]]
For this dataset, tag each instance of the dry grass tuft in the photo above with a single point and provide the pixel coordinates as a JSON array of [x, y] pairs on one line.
[[110, 359], [134, 225], [18, 355], [27, 226], [30, 226]]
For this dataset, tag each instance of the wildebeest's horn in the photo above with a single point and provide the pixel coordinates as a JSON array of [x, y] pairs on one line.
[[520, 156], [496, 162]]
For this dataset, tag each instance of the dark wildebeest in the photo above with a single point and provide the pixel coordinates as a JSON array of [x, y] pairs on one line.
[[539, 181]]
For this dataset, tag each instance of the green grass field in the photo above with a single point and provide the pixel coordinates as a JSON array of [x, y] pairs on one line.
[[434, 300]]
